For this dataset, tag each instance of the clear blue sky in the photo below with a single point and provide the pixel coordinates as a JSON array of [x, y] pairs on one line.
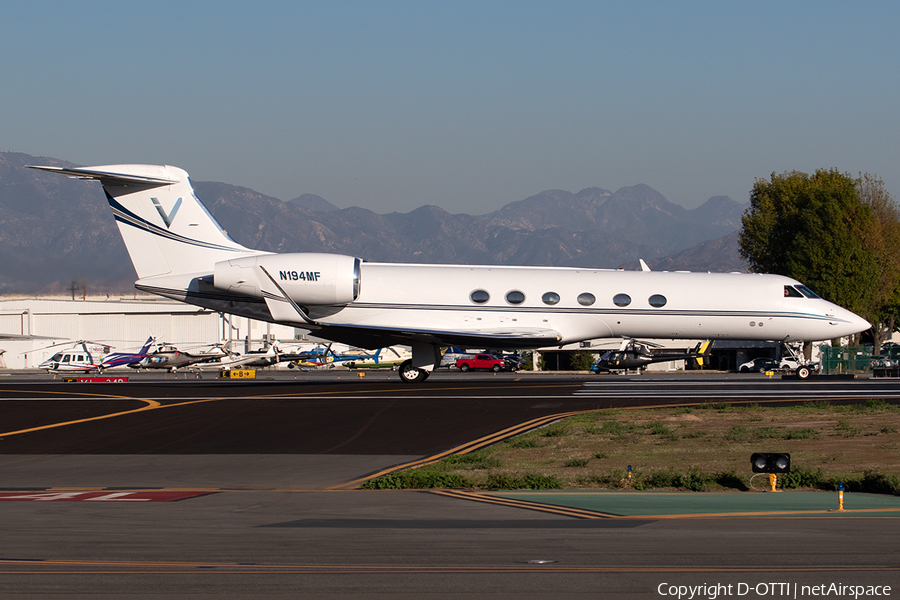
[[465, 105]]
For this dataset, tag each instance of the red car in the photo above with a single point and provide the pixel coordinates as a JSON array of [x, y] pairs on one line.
[[485, 362]]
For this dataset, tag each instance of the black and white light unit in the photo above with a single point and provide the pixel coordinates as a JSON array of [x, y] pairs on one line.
[[771, 463]]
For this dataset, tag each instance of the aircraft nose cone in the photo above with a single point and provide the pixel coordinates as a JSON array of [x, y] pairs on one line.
[[850, 323], [862, 324]]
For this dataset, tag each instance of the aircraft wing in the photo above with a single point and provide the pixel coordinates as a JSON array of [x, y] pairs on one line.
[[372, 338]]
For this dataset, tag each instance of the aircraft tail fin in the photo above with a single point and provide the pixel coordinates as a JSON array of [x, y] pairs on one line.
[[146, 347], [703, 349], [166, 229]]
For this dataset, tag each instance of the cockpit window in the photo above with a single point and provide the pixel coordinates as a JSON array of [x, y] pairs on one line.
[[790, 292], [807, 292]]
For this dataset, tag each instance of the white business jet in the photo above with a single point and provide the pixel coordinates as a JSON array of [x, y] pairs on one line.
[[180, 251]]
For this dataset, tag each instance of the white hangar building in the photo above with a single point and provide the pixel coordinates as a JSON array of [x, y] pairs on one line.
[[29, 326]]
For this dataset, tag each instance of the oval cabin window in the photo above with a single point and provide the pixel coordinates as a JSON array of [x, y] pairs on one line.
[[657, 300], [479, 296], [550, 298], [515, 297], [586, 299], [621, 299]]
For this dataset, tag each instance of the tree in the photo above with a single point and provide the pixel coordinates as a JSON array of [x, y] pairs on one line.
[[883, 240], [811, 228], [581, 360]]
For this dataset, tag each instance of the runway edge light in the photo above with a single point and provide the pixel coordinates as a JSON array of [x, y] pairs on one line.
[[770, 462]]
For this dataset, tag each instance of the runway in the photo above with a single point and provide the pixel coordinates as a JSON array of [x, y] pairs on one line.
[[266, 470]]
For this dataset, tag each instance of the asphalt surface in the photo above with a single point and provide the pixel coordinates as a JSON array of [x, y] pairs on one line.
[[259, 477]]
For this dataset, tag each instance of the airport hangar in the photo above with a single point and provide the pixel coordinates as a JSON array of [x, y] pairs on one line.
[[32, 329], [30, 326]]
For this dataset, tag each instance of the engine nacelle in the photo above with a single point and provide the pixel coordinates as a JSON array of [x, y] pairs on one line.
[[310, 279]]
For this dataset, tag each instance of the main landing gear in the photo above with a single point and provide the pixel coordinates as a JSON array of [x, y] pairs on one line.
[[426, 357], [411, 374]]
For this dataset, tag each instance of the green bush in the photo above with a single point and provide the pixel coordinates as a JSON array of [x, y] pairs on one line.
[[877, 404], [531, 481], [800, 434], [737, 433], [768, 433], [417, 479], [577, 462], [731, 480], [480, 459], [502, 481], [555, 430], [818, 404], [694, 480], [801, 477], [617, 428], [523, 442], [611, 478], [879, 483], [581, 360], [658, 428]]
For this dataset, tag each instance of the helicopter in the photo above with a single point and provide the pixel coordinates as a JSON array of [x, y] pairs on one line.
[[325, 357], [636, 354], [81, 356], [125, 359]]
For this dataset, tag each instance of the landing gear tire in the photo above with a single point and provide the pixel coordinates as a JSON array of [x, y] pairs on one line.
[[411, 374], [803, 372]]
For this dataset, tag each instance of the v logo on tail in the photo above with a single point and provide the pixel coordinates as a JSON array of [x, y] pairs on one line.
[[167, 218]]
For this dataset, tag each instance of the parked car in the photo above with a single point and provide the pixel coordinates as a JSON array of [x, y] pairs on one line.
[[758, 365], [484, 362], [789, 364], [513, 362], [884, 362], [764, 363]]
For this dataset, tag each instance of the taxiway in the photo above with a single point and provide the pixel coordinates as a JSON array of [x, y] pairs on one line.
[[267, 470]]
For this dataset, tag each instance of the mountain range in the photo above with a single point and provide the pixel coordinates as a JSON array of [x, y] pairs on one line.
[[55, 230]]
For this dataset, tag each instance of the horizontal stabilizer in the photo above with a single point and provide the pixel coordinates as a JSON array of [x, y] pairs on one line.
[[110, 177], [165, 227]]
